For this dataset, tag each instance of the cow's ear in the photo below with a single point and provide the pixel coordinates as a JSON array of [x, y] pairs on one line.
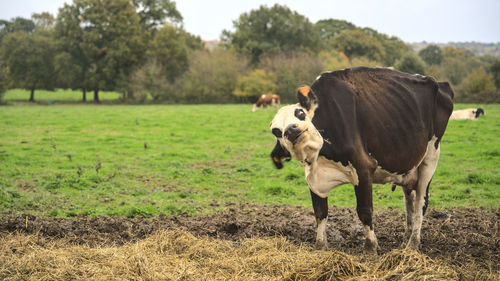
[[307, 98], [279, 153]]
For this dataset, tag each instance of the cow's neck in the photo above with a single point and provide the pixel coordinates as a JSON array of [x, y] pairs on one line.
[[323, 175]]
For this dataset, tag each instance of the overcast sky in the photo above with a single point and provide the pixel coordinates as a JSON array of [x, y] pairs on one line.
[[438, 21]]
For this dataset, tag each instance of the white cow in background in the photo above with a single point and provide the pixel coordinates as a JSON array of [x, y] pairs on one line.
[[468, 113]]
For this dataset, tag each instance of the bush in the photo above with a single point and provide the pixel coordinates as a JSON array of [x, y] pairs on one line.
[[255, 84], [478, 81], [212, 76], [478, 86], [333, 60], [363, 61], [410, 63], [432, 54], [357, 43], [292, 71], [149, 80]]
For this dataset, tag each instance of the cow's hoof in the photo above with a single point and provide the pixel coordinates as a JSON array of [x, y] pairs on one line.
[[371, 247], [413, 244], [321, 245]]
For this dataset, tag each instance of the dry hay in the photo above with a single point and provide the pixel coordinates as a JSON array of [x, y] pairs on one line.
[[179, 255]]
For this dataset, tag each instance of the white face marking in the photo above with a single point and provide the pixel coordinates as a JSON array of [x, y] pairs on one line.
[[307, 146]]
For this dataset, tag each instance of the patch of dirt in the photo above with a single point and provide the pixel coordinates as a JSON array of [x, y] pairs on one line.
[[458, 236]]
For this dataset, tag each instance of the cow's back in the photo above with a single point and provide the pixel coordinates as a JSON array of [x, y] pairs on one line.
[[391, 114]]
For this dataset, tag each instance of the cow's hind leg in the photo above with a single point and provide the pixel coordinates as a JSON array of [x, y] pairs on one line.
[[320, 206], [410, 195], [420, 199]]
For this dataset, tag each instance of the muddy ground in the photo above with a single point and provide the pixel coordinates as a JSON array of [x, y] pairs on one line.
[[459, 236]]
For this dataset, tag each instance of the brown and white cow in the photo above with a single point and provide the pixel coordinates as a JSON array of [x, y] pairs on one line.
[[363, 126], [467, 114], [265, 100]]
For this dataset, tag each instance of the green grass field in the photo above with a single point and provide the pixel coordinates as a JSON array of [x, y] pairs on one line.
[[60, 96], [144, 160]]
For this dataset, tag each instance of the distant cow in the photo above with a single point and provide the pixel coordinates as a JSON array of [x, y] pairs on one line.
[[468, 113], [265, 100], [363, 126]]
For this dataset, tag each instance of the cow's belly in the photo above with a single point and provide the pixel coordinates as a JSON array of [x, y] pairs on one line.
[[382, 176], [325, 175]]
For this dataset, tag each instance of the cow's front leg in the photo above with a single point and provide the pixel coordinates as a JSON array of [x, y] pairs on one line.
[[320, 206], [364, 208]]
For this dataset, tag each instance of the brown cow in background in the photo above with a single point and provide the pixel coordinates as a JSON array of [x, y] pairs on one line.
[[265, 100]]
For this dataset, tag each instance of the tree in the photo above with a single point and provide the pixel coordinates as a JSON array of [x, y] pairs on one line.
[[495, 71], [30, 60], [5, 28], [394, 48], [330, 28], [73, 61], [43, 20], [431, 54], [103, 38], [410, 63], [461, 53], [193, 42], [3, 82], [454, 70], [155, 13], [169, 48], [22, 24], [255, 84], [454, 64], [270, 30], [357, 43], [16, 24]]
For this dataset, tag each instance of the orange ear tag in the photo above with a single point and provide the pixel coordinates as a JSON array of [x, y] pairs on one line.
[[304, 90]]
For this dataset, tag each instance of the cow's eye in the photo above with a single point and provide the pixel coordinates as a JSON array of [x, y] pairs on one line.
[[277, 132], [299, 113]]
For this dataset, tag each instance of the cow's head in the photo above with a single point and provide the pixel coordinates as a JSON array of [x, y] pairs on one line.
[[295, 133], [479, 111]]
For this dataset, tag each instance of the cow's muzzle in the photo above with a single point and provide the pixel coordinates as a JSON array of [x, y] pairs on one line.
[[293, 133]]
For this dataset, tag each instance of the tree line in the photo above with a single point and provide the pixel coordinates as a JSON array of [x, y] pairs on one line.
[[140, 49]]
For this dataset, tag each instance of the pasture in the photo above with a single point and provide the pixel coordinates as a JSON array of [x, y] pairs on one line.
[[146, 160], [124, 172]]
